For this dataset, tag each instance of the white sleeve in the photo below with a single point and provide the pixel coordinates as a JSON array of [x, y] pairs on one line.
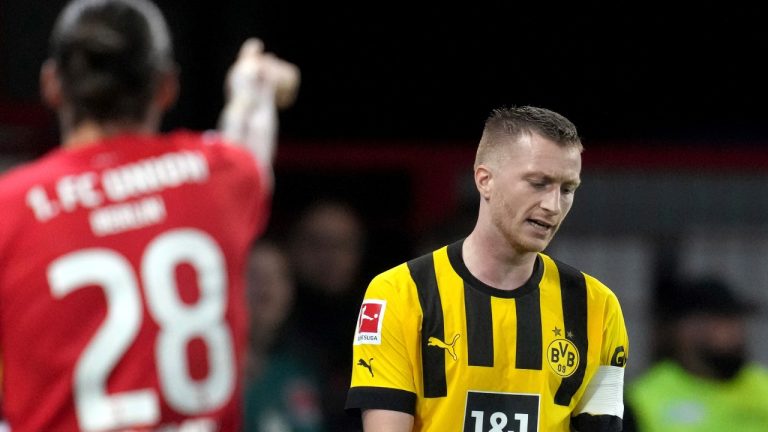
[[249, 117]]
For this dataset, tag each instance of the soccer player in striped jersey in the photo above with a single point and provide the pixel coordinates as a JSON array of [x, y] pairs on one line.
[[489, 334]]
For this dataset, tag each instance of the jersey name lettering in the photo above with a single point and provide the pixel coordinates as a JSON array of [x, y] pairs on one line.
[[90, 189]]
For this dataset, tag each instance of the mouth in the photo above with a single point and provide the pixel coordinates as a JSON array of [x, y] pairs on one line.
[[540, 224]]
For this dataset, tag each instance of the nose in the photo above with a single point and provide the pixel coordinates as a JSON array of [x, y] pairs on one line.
[[551, 201]]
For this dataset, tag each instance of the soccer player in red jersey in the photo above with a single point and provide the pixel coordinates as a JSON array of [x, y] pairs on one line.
[[122, 252]]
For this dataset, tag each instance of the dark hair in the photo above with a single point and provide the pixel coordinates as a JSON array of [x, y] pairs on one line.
[[109, 55], [511, 122], [680, 298]]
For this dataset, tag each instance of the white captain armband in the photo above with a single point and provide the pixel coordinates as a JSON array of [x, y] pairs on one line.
[[604, 394]]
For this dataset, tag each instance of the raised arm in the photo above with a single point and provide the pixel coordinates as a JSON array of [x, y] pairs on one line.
[[257, 85]]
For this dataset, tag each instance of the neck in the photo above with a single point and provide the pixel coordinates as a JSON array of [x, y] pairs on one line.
[[89, 132], [490, 259]]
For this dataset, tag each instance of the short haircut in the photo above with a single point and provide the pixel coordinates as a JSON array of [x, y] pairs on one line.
[[507, 124], [109, 55]]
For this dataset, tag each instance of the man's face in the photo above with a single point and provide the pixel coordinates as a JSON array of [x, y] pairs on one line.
[[531, 190], [327, 249], [270, 287], [718, 342]]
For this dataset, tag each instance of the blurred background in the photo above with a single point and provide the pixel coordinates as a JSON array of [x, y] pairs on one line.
[[671, 105]]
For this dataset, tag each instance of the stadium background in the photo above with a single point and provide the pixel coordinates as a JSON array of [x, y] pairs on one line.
[[670, 103]]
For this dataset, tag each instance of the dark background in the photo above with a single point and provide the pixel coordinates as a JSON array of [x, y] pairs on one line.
[[389, 87], [388, 77], [634, 71]]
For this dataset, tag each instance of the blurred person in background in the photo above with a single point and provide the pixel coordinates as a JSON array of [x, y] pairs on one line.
[[327, 235], [123, 251], [327, 244], [488, 333], [281, 391], [705, 381]]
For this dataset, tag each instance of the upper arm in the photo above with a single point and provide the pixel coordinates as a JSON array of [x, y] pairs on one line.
[[601, 408], [375, 420], [615, 338]]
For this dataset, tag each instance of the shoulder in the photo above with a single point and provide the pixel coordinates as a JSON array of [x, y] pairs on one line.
[[601, 292], [25, 175], [405, 276], [223, 158], [212, 144], [14, 180], [394, 278], [595, 288]]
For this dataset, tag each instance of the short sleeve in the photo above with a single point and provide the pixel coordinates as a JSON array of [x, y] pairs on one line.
[[382, 373], [615, 340]]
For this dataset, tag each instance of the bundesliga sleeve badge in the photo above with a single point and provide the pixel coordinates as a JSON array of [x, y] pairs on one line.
[[368, 330]]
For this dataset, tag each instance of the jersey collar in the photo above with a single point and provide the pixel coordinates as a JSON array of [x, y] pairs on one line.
[[456, 258]]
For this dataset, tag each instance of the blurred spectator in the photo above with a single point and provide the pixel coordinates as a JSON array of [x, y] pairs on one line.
[[706, 382], [327, 251], [281, 391], [327, 236]]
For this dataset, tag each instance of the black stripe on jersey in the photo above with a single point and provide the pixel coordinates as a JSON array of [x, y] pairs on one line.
[[456, 258], [432, 358], [381, 398], [598, 423], [479, 327], [477, 295], [528, 310], [573, 289]]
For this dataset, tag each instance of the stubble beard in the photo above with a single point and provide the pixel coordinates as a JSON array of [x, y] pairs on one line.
[[513, 232]]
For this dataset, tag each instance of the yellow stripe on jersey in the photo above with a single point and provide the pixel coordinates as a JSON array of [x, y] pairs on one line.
[[451, 350]]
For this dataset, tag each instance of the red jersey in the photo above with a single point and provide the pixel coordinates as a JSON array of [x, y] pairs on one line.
[[122, 284]]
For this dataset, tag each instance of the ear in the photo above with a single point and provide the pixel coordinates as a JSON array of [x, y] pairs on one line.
[[167, 90], [484, 181], [50, 84]]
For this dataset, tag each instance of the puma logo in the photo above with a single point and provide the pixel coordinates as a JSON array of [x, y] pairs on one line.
[[368, 366], [451, 348]]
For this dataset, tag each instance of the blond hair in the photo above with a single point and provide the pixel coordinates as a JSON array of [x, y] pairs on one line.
[[509, 123]]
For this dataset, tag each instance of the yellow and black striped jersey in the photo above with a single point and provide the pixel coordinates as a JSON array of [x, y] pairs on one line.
[[435, 342]]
